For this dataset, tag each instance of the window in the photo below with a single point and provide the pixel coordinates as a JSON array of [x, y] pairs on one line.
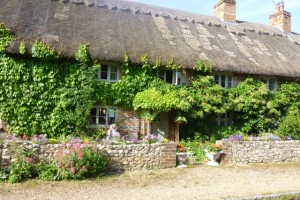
[[172, 77], [102, 116], [271, 83], [226, 81], [225, 119], [108, 73]]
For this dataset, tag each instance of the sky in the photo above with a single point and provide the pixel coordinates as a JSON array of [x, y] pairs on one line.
[[257, 11]]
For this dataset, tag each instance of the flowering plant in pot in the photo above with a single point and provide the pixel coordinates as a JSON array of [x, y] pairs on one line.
[[213, 153]]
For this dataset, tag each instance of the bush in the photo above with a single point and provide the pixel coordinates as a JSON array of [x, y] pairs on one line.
[[290, 125], [22, 168], [77, 162]]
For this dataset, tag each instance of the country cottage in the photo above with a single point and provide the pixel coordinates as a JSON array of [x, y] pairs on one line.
[[113, 28]]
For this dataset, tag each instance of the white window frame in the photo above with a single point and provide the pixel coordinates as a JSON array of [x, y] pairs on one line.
[[218, 80], [176, 77], [267, 82], [109, 72], [107, 116]]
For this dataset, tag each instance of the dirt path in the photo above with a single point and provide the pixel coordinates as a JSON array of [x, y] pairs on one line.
[[200, 182]]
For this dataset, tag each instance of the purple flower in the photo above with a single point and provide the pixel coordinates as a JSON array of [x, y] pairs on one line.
[[236, 137]]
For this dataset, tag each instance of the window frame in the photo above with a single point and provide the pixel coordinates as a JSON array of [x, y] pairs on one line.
[[226, 76], [266, 81], [109, 73], [176, 75], [107, 111]]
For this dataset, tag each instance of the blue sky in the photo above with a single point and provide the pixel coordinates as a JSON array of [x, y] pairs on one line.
[[257, 11]]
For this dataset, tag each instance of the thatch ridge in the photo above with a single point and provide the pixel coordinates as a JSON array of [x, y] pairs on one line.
[[115, 27]]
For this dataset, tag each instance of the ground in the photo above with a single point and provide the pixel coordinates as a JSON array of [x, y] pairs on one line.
[[197, 182]]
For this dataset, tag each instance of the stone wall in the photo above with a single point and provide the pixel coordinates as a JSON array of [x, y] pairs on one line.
[[260, 152], [130, 122], [124, 157]]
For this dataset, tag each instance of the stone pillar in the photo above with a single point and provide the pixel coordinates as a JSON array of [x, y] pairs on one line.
[[168, 155]]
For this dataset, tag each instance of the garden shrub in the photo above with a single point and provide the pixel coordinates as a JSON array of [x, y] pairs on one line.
[[77, 162], [23, 168], [290, 125]]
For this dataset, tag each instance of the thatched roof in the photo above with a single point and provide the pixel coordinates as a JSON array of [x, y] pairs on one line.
[[113, 28]]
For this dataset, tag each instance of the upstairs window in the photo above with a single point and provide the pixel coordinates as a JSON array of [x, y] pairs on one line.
[[225, 81], [102, 116], [271, 83], [108, 73], [172, 77]]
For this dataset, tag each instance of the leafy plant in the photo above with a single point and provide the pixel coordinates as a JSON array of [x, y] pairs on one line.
[[22, 168], [42, 51], [290, 125], [195, 147], [6, 37]]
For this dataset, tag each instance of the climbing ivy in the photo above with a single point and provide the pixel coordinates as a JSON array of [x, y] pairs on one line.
[[6, 37], [39, 95]]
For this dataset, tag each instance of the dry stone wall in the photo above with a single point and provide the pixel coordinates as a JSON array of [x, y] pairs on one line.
[[124, 157], [260, 152]]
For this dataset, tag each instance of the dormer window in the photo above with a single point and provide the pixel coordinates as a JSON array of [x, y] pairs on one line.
[[225, 81], [108, 73], [271, 83], [172, 77]]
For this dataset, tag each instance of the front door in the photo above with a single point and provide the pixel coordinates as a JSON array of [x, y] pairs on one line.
[[160, 126]]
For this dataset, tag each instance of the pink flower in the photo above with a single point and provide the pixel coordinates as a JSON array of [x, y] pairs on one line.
[[83, 169], [30, 160], [59, 165], [73, 170]]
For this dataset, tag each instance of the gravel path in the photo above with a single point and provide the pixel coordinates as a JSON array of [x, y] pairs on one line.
[[199, 182]]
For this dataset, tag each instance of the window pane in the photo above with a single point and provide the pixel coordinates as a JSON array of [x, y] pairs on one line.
[[92, 120], [178, 78], [161, 75], [102, 121], [111, 116], [223, 81], [113, 76], [93, 116], [113, 69], [104, 72], [217, 79], [272, 87], [169, 77]]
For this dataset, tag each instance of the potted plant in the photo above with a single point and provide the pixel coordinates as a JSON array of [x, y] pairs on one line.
[[213, 153], [182, 156]]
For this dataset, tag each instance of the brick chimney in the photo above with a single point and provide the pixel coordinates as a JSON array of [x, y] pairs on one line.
[[226, 10], [281, 19]]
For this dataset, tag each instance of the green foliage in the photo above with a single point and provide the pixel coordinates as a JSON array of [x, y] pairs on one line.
[[82, 55], [154, 100], [39, 96], [207, 97], [249, 103], [22, 48], [287, 99], [42, 51], [195, 147], [22, 168], [290, 125], [203, 67], [6, 37]]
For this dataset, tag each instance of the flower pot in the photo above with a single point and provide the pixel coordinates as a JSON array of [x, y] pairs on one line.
[[182, 158], [213, 157]]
